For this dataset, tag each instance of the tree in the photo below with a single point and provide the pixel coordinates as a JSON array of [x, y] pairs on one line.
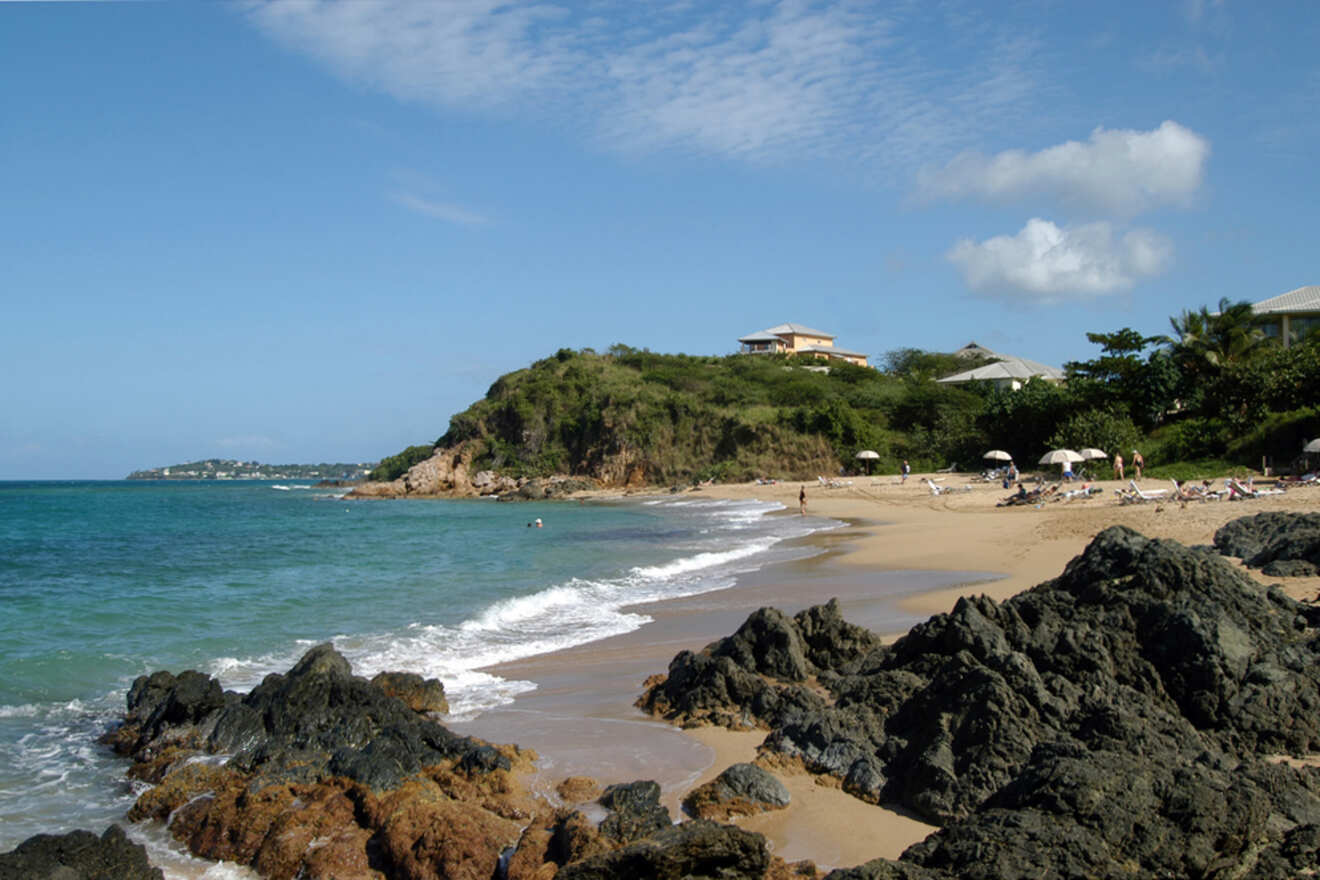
[[1121, 378], [1209, 342]]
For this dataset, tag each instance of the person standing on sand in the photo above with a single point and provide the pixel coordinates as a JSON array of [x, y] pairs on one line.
[[1118, 465], [907, 469], [802, 500], [1137, 463]]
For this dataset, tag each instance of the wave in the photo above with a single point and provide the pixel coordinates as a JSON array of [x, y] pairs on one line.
[[716, 540]]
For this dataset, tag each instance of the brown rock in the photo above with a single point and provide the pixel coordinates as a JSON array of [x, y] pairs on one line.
[[317, 817], [422, 695], [184, 785], [575, 838], [531, 860], [431, 839], [578, 790]]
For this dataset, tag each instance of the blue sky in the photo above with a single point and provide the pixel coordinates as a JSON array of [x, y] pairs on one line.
[[313, 231]]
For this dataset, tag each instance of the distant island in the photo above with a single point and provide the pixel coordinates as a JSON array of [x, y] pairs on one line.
[[229, 469]]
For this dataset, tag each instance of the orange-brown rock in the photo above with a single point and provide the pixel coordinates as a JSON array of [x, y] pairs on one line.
[[316, 817], [180, 787], [430, 837], [531, 859], [422, 695], [578, 790]]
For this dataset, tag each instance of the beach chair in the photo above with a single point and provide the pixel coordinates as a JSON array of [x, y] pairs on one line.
[[1148, 494]]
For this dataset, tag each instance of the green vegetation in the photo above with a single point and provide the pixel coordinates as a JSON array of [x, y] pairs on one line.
[[1213, 398]]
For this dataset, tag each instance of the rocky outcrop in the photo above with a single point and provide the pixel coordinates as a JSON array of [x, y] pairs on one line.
[[740, 790], [634, 812], [321, 773], [422, 695], [79, 854], [696, 850], [1280, 544], [1117, 720], [547, 489], [448, 473]]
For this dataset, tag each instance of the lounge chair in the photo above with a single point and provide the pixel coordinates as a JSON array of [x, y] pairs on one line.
[[1134, 494]]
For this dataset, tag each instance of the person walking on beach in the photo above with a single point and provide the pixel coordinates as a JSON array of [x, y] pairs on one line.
[[802, 500], [1118, 465], [907, 469], [1137, 463]]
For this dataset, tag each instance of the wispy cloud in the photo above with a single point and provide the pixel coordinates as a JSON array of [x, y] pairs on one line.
[[1194, 57], [759, 80], [1046, 264], [439, 210], [1117, 171]]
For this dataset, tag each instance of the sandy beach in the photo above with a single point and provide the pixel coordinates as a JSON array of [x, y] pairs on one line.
[[904, 555]]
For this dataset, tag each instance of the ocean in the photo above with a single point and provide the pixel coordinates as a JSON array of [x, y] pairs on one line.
[[101, 582]]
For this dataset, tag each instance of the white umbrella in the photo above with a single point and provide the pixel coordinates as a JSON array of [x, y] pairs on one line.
[[1313, 446], [1091, 452], [998, 455], [1059, 456], [868, 455]]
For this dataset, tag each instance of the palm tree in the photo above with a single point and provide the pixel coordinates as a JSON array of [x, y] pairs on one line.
[[1209, 341]]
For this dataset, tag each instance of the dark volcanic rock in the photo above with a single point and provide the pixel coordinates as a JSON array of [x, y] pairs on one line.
[[699, 850], [740, 790], [635, 811], [1115, 721], [1269, 540], [79, 855]]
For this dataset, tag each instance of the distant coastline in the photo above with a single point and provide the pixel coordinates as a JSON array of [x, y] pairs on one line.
[[232, 469]]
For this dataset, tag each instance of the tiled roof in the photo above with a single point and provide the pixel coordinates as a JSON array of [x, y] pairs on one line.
[[1303, 299]]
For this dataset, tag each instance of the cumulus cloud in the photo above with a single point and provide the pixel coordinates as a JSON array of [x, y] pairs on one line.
[[759, 80], [1117, 171], [1045, 263]]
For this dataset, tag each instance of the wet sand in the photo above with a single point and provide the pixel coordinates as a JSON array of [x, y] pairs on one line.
[[904, 555]]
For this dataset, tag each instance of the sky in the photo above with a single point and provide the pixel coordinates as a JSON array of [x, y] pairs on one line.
[[308, 230]]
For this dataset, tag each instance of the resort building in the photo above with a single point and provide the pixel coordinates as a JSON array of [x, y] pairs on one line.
[[797, 339], [1006, 372], [1289, 317]]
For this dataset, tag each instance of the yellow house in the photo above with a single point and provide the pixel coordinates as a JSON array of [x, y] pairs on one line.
[[797, 339]]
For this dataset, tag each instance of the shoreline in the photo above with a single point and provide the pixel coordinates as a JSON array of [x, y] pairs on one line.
[[902, 555]]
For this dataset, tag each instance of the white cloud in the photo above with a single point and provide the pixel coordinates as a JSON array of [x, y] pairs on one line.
[[1046, 264], [759, 80], [1117, 171], [440, 210]]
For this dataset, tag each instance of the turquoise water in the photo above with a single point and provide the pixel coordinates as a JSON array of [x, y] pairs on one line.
[[104, 581]]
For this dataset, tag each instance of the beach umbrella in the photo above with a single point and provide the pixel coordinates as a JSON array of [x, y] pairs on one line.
[[1091, 452], [998, 455], [1059, 456], [1313, 446], [868, 456]]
